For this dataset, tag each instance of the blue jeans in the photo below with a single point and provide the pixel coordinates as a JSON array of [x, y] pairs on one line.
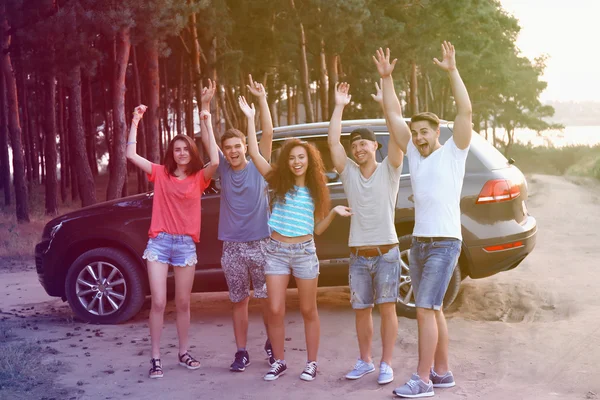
[[176, 250], [374, 280], [432, 264]]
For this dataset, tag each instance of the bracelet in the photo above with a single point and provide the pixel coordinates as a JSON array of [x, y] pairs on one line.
[[131, 142]]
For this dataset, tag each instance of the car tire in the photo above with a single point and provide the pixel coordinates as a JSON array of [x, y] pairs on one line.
[[105, 286], [405, 307]]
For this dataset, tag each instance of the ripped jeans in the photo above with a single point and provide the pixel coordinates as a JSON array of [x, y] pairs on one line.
[[176, 250], [374, 280]]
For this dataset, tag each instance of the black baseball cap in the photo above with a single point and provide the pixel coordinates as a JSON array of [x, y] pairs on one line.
[[363, 133]]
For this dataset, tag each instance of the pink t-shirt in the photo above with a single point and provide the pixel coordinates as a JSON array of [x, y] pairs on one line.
[[176, 203]]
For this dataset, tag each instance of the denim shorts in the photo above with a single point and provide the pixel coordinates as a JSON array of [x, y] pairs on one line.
[[431, 267], [298, 259], [374, 280], [176, 250]]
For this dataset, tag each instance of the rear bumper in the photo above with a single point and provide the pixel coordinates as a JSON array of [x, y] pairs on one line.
[[485, 263]]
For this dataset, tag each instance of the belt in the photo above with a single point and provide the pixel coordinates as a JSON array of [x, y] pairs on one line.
[[432, 239], [372, 251]]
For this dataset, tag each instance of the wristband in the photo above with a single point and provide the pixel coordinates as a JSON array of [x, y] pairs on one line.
[[131, 142]]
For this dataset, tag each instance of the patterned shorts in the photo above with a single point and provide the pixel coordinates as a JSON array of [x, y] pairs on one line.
[[242, 263]]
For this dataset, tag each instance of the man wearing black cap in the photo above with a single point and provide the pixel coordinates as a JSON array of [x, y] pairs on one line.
[[436, 174], [371, 189]]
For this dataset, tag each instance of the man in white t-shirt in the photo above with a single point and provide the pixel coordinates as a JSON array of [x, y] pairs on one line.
[[436, 174]]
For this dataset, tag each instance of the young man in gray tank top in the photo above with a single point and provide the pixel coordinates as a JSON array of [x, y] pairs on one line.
[[371, 189], [243, 218], [436, 174]]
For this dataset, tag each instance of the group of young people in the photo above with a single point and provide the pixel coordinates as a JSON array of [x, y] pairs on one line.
[[269, 214]]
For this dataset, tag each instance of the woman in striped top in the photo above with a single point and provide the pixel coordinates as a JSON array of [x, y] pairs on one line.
[[300, 208]]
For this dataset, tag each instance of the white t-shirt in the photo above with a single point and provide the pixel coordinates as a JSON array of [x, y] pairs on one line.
[[373, 203], [437, 183]]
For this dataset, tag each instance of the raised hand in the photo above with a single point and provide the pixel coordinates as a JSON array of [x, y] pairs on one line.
[[341, 94], [208, 92], [382, 61], [343, 211], [378, 96], [138, 112], [257, 89], [248, 110], [448, 62]]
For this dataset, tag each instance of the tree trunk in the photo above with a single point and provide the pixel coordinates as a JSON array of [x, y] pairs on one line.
[[63, 144], [324, 88], [26, 124], [333, 77], [85, 179], [304, 79], [141, 134], [14, 127], [51, 155], [189, 105], [118, 162], [4, 163], [91, 130], [153, 93], [414, 89]]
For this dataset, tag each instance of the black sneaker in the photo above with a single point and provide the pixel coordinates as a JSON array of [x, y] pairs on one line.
[[277, 369], [242, 360], [269, 351], [310, 371]]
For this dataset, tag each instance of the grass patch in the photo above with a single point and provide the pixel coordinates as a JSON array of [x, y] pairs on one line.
[[569, 160], [28, 371]]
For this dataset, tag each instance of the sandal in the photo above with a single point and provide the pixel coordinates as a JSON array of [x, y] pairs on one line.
[[186, 360], [156, 371]]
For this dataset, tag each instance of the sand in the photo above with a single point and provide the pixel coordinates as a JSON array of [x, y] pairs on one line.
[[530, 333]]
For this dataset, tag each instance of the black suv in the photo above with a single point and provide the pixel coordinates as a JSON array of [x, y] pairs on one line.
[[93, 257]]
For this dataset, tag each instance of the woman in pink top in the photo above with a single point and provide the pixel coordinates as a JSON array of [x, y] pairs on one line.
[[174, 229]]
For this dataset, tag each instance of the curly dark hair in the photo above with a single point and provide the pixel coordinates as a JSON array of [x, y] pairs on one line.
[[281, 180]]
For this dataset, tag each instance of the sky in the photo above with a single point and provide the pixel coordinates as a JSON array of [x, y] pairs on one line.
[[569, 32]]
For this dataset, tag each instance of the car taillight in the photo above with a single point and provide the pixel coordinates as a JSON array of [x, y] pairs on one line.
[[497, 191], [505, 246]]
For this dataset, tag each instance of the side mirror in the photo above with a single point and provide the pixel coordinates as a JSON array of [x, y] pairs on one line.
[[332, 176]]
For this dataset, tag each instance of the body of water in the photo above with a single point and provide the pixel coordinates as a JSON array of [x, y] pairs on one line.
[[570, 136]]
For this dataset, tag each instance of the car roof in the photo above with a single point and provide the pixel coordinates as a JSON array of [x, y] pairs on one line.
[[320, 128]]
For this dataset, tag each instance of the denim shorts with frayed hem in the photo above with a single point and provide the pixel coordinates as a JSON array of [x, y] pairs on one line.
[[374, 280], [298, 259], [176, 250], [431, 267]]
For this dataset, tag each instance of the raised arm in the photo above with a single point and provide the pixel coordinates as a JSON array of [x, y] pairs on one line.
[[261, 164], [266, 123], [323, 224], [213, 152], [338, 153], [463, 121], [206, 96], [398, 128], [395, 154], [131, 151]]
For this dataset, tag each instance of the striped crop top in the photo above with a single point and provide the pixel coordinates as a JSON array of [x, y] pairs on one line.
[[295, 217]]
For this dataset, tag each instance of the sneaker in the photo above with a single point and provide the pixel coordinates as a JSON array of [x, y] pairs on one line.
[[415, 388], [242, 360], [310, 371], [360, 369], [386, 374], [269, 351], [277, 369], [442, 381]]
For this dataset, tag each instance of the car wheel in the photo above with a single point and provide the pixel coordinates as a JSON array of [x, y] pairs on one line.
[[105, 286], [405, 306]]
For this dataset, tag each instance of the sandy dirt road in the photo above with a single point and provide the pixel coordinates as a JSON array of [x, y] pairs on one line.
[[531, 333]]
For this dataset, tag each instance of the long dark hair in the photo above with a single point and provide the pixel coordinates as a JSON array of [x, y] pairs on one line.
[[281, 179], [195, 164]]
